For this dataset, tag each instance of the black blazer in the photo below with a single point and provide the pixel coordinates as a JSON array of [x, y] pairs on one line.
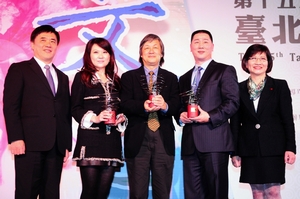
[[31, 111], [218, 94], [133, 95], [270, 130]]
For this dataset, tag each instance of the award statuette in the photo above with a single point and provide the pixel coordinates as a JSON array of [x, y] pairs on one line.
[[192, 105], [110, 100], [154, 91], [192, 110], [150, 98], [153, 88], [111, 105], [111, 120]]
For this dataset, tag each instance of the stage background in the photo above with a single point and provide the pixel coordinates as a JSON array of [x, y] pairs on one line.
[[235, 25]]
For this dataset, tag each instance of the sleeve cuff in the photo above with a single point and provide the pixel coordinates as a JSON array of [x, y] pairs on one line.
[[86, 119]]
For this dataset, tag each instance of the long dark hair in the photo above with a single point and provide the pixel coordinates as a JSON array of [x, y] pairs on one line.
[[88, 69]]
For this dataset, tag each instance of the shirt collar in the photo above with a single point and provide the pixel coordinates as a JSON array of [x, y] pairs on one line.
[[147, 71], [41, 63], [204, 65]]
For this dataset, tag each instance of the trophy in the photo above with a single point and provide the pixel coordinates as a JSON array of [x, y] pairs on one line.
[[153, 93], [111, 106], [192, 105], [111, 102], [155, 89]]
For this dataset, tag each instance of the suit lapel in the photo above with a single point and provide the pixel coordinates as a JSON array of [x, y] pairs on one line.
[[265, 95], [205, 76], [161, 79], [142, 79], [187, 81], [59, 78], [37, 69], [244, 96], [185, 85], [264, 98]]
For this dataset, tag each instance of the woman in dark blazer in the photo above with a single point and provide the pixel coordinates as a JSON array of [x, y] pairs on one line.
[[263, 127]]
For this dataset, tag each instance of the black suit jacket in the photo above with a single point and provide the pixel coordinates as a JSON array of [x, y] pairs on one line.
[[218, 94], [31, 111], [270, 130], [133, 95]]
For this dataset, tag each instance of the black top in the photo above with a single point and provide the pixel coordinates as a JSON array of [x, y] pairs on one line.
[[270, 130], [94, 145]]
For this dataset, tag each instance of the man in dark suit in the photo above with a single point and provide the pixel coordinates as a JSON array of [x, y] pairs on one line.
[[147, 149], [38, 119], [207, 139]]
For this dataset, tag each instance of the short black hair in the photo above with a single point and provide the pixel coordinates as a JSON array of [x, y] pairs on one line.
[[202, 31], [44, 28]]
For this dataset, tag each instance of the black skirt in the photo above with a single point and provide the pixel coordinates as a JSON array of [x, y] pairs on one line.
[[263, 170]]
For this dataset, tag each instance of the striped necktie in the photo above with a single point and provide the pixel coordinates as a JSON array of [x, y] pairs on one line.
[[197, 78], [153, 122]]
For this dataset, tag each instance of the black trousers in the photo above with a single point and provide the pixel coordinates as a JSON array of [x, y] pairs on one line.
[[153, 158], [206, 175], [38, 173]]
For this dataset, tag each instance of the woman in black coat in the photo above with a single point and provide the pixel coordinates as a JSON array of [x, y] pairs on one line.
[[263, 127], [95, 89]]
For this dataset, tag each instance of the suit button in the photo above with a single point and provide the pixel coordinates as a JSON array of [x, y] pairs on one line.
[[257, 126]]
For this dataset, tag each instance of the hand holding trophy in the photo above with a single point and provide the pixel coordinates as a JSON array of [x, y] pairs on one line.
[[192, 105], [153, 88], [111, 102]]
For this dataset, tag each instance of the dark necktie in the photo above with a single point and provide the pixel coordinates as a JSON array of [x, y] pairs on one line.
[[197, 78], [153, 122], [50, 79]]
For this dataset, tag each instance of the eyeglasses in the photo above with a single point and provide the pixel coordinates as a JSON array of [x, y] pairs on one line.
[[254, 59]]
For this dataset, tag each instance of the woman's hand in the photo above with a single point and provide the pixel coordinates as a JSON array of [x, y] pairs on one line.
[[236, 161], [120, 119], [102, 117], [122, 123], [289, 157]]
